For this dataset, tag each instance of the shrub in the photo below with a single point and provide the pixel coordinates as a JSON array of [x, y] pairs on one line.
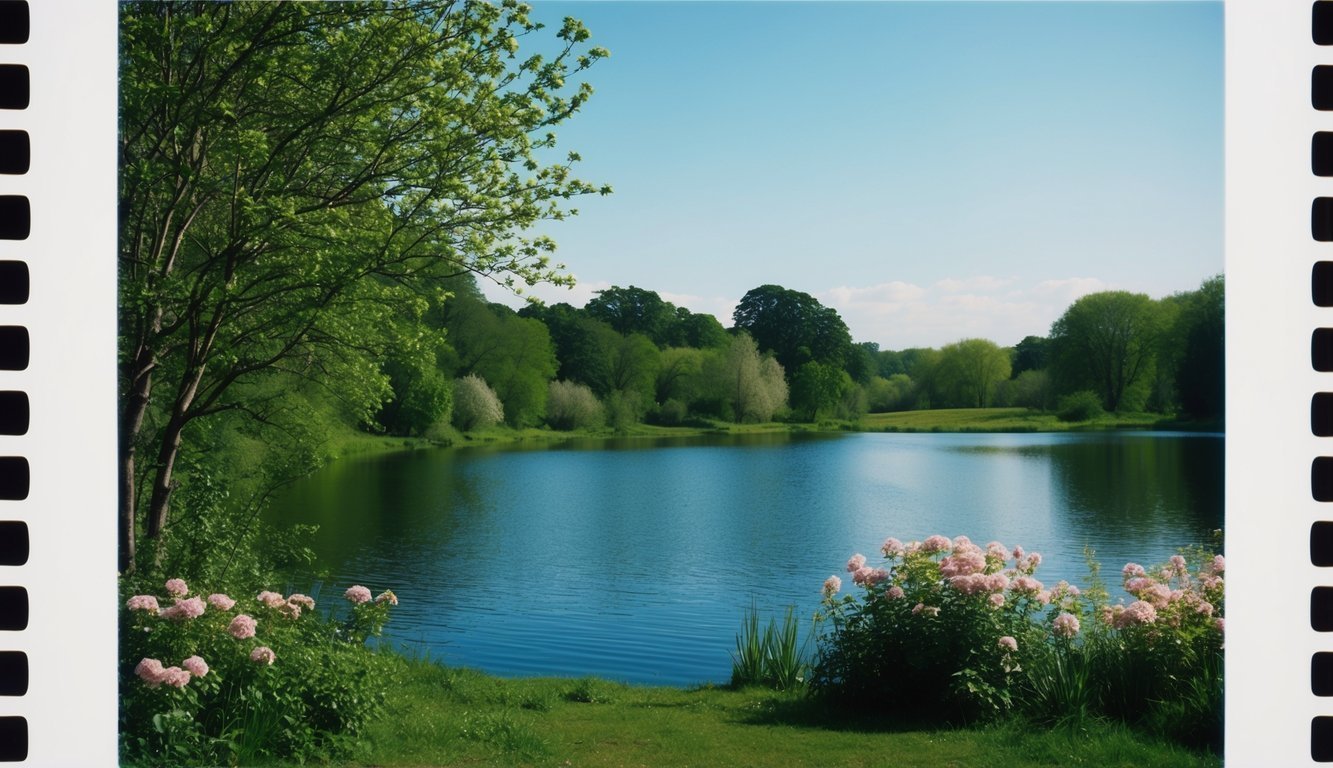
[[212, 680], [773, 658], [1080, 406], [572, 406], [673, 413], [951, 630], [475, 404], [624, 409]]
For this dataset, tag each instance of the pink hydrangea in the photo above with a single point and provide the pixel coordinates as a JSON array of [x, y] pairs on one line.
[[929, 610], [271, 599], [856, 563], [895, 592], [877, 576], [1131, 570], [1177, 564], [196, 666], [962, 543], [1043, 597], [221, 601], [997, 599], [263, 655], [1008, 643], [142, 603], [305, 601], [290, 610], [1138, 612], [357, 594], [1138, 584], [997, 551], [1017, 554], [1065, 625], [150, 671], [969, 584], [997, 582], [175, 677], [1026, 585], [1032, 561], [1220, 623], [936, 543], [242, 627], [892, 548], [1219, 564], [188, 608], [967, 561], [177, 588], [832, 585], [862, 574]]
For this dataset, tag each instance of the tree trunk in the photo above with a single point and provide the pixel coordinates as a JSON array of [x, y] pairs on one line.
[[160, 501], [136, 404]]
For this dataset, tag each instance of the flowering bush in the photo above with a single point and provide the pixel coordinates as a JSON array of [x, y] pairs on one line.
[[950, 629], [213, 679]]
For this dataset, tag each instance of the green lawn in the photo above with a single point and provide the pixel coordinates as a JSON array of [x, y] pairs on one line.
[[450, 717], [1002, 420]]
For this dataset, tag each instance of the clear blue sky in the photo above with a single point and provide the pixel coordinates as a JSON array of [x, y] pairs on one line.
[[935, 171]]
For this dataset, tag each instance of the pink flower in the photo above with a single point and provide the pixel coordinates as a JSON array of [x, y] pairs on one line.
[[1043, 597], [965, 562], [962, 542], [929, 610], [357, 594], [195, 666], [877, 576], [832, 585], [1219, 564], [1065, 625], [1220, 623], [242, 627], [150, 671], [142, 603], [305, 601], [997, 599], [189, 608], [1138, 612], [969, 583], [856, 563], [997, 582], [862, 574], [175, 677], [1008, 643], [271, 599], [895, 592], [1131, 570], [892, 548], [1033, 560], [936, 543], [263, 655], [997, 551], [290, 610], [1177, 564], [177, 588], [1138, 584], [221, 602], [1026, 584], [1018, 554]]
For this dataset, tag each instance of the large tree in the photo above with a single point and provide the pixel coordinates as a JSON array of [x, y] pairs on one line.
[[633, 310], [293, 175], [1107, 342], [969, 370], [794, 326]]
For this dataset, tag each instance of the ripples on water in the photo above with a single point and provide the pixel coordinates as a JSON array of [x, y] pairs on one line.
[[635, 560]]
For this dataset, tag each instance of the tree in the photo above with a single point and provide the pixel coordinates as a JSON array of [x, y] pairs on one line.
[[969, 370], [751, 386], [818, 389], [1107, 342], [701, 331], [633, 367], [1201, 371], [794, 326], [583, 345], [513, 353], [572, 406], [678, 373], [475, 404], [633, 310], [1030, 354], [292, 175]]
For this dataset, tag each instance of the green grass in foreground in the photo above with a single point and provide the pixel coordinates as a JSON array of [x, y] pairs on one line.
[[1004, 420], [451, 717]]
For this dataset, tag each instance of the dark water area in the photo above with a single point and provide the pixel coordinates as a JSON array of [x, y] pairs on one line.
[[635, 559]]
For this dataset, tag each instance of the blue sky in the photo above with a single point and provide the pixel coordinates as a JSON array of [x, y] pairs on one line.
[[934, 171]]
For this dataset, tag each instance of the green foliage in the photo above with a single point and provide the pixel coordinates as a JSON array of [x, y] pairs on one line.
[[968, 372], [794, 326], [1030, 354], [1201, 369], [895, 393], [422, 396], [476, 406], [775, 658], [573, 406], [1031, 389], [624, 409], [749, 387], [633, 310], [309, 698], [818, 390], [513, 354], [1107, 342], [678, 370], [1080, 406], [633, 366]]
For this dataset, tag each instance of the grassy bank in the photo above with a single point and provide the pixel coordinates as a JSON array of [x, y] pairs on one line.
[[1017, 420], [450, 717]]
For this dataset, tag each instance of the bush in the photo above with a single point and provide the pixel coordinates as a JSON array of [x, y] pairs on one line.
[[672, 413], [956, 632], [624, 409], [774, 658], [210, 680], [572, 406], [1080, 406], [475, 404]]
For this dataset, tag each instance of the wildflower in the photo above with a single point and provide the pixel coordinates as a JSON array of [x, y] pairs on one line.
[[1065, 625], [997, 582], [262, 655], [221, 601], [1220, 623], [877, 576], [1043, 597], [936, 543], [997, 551], [271, 599], [1018, 554], [892, 548], [962, 543], [895, 592], [195, 666], [1033, 560], [1138, 612], [1026, 584], [142, 603], [1131, 570], [357, 594], [242, 627], [856, 563], [290, 610], [1008, 643], [964, 562], [1219, 564], [832, 585], [177, 588], [150, 671], [175, 677], [189, 608], [969, 584], [862, 574], [1177, 564], [997, 599], [1138, 584], [305, 601]]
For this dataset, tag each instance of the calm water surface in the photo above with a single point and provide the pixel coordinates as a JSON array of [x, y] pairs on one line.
[[635, 560]]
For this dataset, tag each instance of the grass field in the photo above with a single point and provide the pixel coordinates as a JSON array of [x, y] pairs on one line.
[[450, 717], [1000, 420]]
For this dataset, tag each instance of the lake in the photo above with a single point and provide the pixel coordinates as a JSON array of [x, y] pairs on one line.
[[635, 559]]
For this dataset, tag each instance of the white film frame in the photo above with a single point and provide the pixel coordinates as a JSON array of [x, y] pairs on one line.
[[71, 704]]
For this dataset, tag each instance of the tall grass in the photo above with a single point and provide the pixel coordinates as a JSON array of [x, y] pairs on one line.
[[775, 657]]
